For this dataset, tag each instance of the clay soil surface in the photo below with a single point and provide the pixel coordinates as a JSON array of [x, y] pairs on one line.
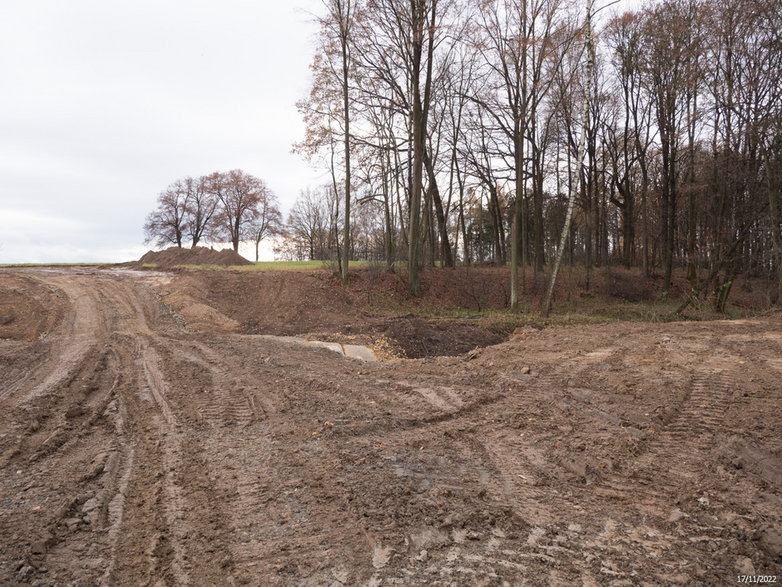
[[150, 436]]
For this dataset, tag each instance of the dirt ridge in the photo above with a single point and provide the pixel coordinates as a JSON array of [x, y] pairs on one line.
[[179, 256]]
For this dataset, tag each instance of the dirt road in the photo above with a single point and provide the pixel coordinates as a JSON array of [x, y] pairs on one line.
[[137, 451]]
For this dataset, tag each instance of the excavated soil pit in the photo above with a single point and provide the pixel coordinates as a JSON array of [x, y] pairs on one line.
[[456, 312], [315, 306]]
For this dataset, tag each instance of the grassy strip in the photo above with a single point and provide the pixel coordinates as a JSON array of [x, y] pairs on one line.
[[12, 265], [596, 311], [274, 266]]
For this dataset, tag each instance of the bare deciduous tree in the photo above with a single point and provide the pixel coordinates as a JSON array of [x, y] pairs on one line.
[[267, 221], [465, 123], [239, 194], [167, 224], [216, 206], [201, 205]]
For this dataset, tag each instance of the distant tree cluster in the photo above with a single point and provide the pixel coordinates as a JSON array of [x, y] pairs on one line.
[[314, 228], [470, 131], [225, 207]]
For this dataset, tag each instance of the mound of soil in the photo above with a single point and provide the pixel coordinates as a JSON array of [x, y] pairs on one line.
[[176, 256], [29, 309]]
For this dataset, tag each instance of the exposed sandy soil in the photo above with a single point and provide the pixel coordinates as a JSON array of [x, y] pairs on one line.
[[145, 443], [448, 318], [316, 306]]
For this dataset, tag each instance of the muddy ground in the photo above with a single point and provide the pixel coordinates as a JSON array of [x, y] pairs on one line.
[[147, 439]]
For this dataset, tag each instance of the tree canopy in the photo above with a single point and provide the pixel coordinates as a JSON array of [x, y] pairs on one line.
[[461, 123], [228, 206]]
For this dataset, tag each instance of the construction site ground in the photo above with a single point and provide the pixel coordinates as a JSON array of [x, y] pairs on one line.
[[152, 433]]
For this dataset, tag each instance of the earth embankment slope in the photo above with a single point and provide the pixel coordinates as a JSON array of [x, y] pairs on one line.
[[458, 310]]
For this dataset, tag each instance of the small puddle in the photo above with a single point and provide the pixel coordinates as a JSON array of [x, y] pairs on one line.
[[351, 351]]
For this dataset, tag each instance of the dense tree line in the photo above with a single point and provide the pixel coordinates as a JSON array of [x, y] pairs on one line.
[[224, 207], [469, 131]]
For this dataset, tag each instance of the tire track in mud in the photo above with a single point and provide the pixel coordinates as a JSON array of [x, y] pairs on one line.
[[190, 521], [72, 343], [519, 475], [271, 484], [45, 423], [232, 401], [477, 467], [178, 552], [703, 413], [102, 503], [488, 466], [225, 409], [648, 487], [134, 498], [171, 441], [682, 443], [692, 426], [695, 420], [118, 470], [269, 506], [65, 428], [131, 334]]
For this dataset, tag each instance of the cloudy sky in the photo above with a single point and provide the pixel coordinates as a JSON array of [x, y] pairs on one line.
[[105, 102]]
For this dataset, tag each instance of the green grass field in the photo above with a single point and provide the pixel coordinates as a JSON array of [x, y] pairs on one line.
[[275, 266], [9, 265], [260, 266]]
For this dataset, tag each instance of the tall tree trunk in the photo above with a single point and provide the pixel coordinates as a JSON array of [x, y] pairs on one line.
[[414, 221], [579, 160], [516, 227], [442, 226], [388, 233], [538, 240], [495, 211], [774, 179], [667, 197], [517, 248], [235, 234], [419, 118], [345, 16], [645, 223], [692, 272]]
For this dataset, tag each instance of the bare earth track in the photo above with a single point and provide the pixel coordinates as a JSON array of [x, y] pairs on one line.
[[136, 450]]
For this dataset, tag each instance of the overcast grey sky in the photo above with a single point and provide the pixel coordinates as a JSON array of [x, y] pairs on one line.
[[103, 103]]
